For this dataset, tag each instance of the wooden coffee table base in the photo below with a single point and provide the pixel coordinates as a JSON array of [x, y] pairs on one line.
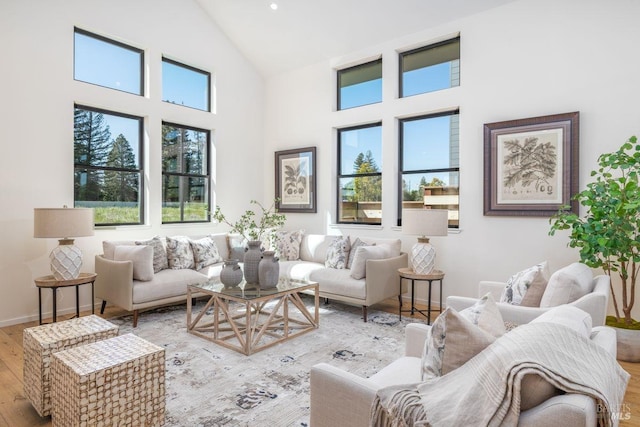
[[249, 326]]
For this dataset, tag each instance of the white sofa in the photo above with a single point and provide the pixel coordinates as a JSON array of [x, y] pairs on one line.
[[595, 302], [115, 284], [341, 398]]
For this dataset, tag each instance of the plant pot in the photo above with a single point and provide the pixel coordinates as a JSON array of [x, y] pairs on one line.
[[628, 344], [252, 257]]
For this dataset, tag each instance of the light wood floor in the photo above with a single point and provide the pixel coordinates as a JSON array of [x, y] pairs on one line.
[[16, 411]]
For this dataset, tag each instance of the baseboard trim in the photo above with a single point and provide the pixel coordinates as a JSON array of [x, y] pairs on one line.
[[47, 315]]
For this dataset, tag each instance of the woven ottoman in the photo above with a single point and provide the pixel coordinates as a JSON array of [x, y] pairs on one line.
[[119, 381], [40, 342]]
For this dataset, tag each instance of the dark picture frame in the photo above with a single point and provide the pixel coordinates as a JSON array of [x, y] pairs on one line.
[[296, 180], [531, 165]]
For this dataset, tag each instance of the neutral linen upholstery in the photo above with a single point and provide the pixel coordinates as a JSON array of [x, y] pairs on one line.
[[140, 256], [567, 285], [341, 398], [166, 285], [364, 253], [527, 287], [339, 282], [159, 252]]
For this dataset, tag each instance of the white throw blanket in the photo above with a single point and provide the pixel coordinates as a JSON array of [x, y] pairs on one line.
[[485, 391]]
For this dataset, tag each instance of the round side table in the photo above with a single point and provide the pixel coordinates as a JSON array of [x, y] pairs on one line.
[[53, 284], [409, 274]]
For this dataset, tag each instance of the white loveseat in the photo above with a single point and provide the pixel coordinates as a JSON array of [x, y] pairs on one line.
[[115, 283], [341, 398]]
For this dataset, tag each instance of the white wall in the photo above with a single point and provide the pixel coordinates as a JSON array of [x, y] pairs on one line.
[[525, 59], [37, 94]]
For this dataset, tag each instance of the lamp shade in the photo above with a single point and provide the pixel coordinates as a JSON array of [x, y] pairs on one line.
[[425, 222], [62, 222]]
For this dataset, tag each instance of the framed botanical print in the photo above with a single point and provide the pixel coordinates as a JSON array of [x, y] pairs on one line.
[[296, 180], [531, 165]]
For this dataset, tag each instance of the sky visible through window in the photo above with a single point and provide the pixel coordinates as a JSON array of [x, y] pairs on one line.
[[184, 86]]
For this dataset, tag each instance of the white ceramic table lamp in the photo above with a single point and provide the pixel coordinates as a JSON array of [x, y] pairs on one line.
[[64, 224], [423, 223]]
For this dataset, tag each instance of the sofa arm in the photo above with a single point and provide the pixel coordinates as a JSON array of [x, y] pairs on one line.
[[382, 280], [114, 282], [510, 313], [339, 398], [415, 335]]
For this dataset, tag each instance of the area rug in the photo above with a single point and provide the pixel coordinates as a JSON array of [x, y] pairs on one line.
[[209, 385]]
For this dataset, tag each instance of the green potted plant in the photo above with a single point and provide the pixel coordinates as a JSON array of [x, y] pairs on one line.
[[254, 231], [608, 235]]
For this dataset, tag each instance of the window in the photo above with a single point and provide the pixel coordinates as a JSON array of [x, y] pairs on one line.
[[185, 85], [429, 164], [107, 150], [104, 62], [185, 174], [360, 85], [430, 68], [360, 176]]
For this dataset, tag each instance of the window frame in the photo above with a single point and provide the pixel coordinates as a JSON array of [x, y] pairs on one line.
[[115, 43], [195, 70], [401, 171], [341, 176], [140, 170], [207, 176], [339, 73], [401, 58]]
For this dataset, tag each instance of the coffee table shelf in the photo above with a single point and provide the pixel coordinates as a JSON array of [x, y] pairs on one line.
[[248, 319]]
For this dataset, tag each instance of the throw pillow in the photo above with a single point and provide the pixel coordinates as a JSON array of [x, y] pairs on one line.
[[237, 246], [159, 253], [338, 253], [363, 253], [527, 286], [205, 252], [142, 258], [287, 244], [567, 285], [179, 253], [352, 252], [455, 337]]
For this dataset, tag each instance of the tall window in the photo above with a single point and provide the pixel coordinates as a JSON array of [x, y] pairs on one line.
[[360, 85], [185, 174], [105, 62], [107, 165], [430, 68], [185, 85], [360, 174], [429, 164]]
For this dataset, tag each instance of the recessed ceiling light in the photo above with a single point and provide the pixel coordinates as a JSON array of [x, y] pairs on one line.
[[273, 6]]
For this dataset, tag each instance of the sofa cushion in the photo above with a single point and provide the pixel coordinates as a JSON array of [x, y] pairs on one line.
[[142, 258], [338, 253], [527, 286], [237, 245], [109, 247], [212, 271], [352, 252], [338, 282], [363, 253], [405, 370], [394, 244], [205, 252], [314, 247], [166, 284], [287, 244], [299, 270], [454, 337], [179, 253], [567, 285], [159, 253]]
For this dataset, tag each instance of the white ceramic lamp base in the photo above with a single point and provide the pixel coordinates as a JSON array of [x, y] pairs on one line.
[[423, 257], [66, 260]]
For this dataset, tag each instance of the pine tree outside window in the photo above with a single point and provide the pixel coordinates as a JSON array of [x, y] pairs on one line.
[[107, 165]]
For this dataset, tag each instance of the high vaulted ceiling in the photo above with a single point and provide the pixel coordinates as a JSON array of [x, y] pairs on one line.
[[304, 32]]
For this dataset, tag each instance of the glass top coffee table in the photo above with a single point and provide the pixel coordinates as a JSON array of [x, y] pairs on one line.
[[248, 319]]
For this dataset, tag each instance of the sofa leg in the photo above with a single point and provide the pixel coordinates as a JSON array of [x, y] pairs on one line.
[[193, 301], [135, 318], [103, 306], [326, 301], [364, 313]]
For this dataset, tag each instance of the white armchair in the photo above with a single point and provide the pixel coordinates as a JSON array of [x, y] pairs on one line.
[[595, 303], [340, 398]]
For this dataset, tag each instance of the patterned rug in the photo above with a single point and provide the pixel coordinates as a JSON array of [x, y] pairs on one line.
[[209, 385]]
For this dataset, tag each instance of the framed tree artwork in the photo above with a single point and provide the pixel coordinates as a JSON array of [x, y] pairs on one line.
[[296, 180], [531, 165]]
